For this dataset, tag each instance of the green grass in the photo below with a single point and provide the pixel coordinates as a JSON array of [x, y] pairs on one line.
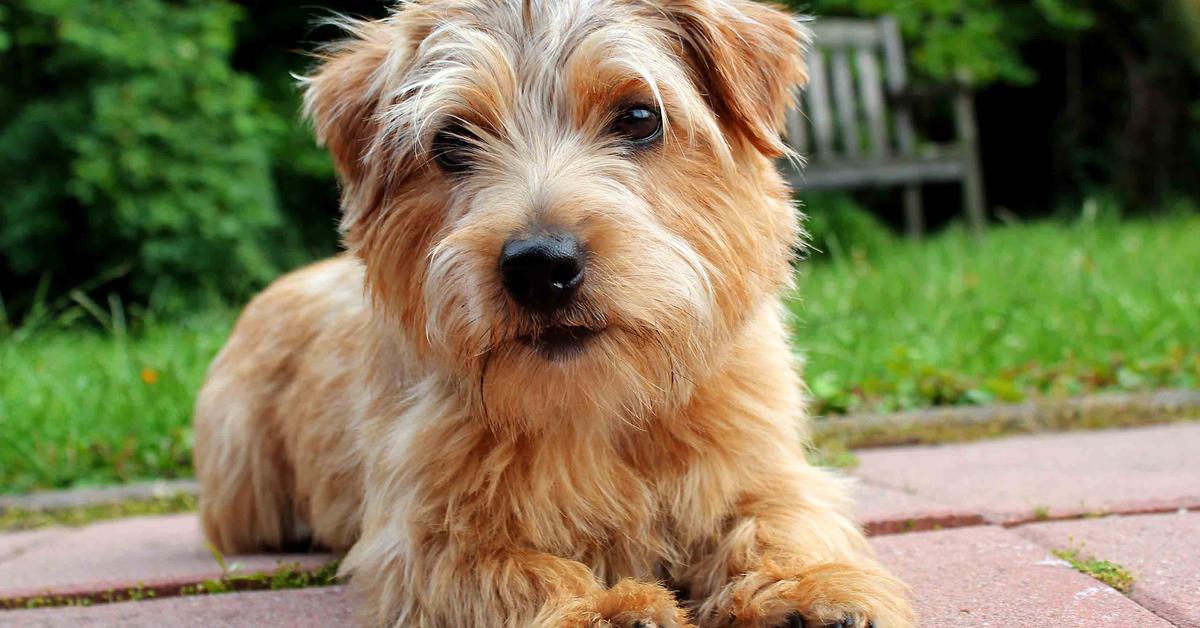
[[91, 407], [1034, 309]]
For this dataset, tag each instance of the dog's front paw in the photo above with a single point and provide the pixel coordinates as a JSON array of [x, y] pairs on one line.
[[633, 604], [830, 595], [628, 604]]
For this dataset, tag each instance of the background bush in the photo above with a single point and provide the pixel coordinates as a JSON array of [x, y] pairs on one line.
[[129, 141], [154, 145]]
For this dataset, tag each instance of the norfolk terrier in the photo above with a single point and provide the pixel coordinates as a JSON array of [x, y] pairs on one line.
[[549, 383]]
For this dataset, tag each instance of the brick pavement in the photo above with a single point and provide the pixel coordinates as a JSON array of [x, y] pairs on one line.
[[958, 522]]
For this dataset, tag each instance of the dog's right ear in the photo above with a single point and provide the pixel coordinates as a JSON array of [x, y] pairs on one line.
[[342, 96]]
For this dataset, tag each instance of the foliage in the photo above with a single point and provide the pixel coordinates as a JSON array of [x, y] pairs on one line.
[[981, 39], [133, 141]]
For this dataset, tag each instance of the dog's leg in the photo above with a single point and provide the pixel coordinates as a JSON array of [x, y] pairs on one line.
[[791, 557], [244, 502], [456, 587]]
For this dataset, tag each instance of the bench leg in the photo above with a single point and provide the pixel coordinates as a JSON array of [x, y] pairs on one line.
[[914, 212], [968, 134]]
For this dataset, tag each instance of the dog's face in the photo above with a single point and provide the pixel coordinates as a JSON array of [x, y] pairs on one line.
[[568, 205]]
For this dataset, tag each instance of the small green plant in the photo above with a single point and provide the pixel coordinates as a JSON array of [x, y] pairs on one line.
[[132, 594], [1105, 571], [285, 576], [1041, 513]]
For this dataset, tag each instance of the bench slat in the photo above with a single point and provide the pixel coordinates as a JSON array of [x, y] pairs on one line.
[[897, 80], [797, 128], [845, 106], [818, 105], [870, 85]]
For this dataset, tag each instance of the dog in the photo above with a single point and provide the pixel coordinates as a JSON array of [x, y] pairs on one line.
[[549, 382]]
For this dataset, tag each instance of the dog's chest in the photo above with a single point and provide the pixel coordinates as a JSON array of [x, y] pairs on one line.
[[618, 510]]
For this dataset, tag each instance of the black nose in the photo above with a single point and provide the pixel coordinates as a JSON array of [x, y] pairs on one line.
[[542, 272]]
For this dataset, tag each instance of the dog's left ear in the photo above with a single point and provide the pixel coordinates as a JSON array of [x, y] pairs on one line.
[[749, 58], [342, 96]]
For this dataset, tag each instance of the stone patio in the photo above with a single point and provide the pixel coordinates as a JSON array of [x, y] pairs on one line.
[[971, 527]]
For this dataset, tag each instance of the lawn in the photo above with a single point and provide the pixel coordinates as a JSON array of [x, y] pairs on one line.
[[102, 407], [1034, 309]]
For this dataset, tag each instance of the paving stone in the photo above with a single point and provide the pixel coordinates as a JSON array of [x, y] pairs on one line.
[[13, 544], [977, 576], [1018, 479], [989, 576], [304, 608], [1161, 551], [152, 552], [883, 510]]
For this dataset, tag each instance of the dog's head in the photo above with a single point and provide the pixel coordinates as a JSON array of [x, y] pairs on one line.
[[570, 206]]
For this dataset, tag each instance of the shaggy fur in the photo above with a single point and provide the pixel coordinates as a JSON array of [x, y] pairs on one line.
[[383, 404]]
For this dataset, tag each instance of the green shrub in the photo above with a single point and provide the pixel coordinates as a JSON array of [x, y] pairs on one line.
[[127, 138]]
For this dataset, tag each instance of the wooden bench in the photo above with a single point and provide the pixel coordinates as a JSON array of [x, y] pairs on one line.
[[854, 126]]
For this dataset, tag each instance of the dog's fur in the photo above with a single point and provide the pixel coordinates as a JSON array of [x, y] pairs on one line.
[[381, 404]]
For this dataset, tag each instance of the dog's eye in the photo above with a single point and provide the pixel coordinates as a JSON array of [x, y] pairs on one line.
[[452, 149], [638, 125]]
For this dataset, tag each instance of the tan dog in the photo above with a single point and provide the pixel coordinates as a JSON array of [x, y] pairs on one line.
[[552, 377]]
